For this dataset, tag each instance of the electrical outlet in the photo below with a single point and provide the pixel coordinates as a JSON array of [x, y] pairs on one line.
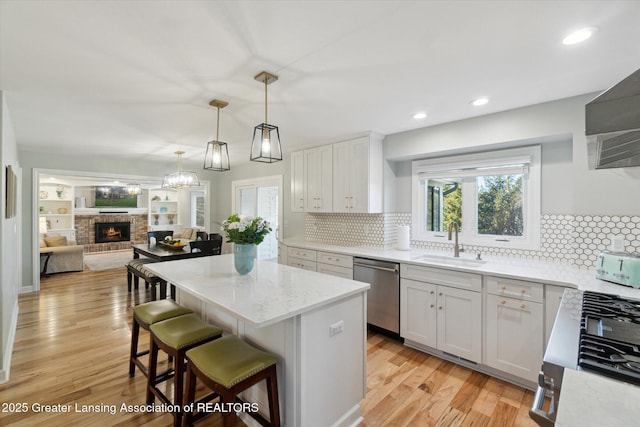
[[336, 328], [366, 229], [343, 228]]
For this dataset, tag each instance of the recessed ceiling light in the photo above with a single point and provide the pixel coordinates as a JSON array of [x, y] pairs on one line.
[[420, 115], [579, 36], [480, 101]]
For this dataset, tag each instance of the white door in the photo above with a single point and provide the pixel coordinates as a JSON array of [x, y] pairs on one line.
[[261, 197]]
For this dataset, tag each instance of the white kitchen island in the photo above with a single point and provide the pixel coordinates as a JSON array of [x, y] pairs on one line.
[[315, 323]]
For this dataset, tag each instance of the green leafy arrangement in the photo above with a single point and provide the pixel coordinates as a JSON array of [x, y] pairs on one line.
[[246, 229]]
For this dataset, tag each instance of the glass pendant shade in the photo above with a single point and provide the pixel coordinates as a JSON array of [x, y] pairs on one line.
[[217, 157], [134, 189], [180, 178], [266, 144]]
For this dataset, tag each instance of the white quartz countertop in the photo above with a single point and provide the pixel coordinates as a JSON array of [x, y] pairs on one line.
[[593, 400], [270, 293], [516, 268]]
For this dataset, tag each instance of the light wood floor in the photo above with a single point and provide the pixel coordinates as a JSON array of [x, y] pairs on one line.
[[72, 346]]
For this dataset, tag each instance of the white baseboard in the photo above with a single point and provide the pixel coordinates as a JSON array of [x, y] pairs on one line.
[[27, 289], [6, 358], [351, 418]]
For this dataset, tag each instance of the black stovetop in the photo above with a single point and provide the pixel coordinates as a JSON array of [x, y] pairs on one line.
[[610, 336]]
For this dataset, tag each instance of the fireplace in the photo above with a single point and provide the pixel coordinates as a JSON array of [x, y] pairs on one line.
[[107, 232]]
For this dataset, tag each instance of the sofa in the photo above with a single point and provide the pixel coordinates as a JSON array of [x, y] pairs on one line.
[[66, 255]]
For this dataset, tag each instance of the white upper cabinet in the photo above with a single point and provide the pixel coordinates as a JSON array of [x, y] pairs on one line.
[[318, 179], [297, 181], [357, 175]]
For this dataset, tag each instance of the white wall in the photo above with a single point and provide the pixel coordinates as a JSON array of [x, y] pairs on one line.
[[568, 185], [10, 243]]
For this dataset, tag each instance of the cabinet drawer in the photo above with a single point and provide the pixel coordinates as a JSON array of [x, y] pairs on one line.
[[302, 254], [439, 276], [520, 289], [335, 270], [335, 259], [302, 263]]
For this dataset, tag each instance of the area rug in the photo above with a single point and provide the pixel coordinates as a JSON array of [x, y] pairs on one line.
[[107, 260]]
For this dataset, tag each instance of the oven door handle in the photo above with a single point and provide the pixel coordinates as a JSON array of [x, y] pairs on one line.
[[537, 414]]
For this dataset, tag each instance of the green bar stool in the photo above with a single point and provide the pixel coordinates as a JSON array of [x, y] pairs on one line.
[[175, 337], [144, 315], [228, 366]]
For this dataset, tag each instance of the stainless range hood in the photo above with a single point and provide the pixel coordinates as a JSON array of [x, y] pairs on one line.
[[613, 125]]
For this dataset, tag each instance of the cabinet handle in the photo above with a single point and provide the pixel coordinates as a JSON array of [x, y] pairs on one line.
[[524, 291], [522, 306], [440, 308], [503, 302], [440, 294], [432, 305], [504, 288], [432, 292]]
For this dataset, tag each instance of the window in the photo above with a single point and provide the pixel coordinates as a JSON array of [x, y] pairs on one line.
[[197, 209], [493, 197]]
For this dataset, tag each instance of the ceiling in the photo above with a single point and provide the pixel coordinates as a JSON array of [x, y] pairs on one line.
[[134, 79]]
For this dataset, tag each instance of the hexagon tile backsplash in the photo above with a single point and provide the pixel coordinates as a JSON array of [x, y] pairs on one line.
[[567, 239]]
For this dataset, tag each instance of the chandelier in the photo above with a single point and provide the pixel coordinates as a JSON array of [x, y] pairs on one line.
[[180, 178], [133, 189]]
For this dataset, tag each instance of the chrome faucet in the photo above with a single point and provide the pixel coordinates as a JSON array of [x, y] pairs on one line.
[[456, 247]]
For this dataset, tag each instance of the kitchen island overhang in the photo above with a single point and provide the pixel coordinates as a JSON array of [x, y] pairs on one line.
[[314, 323]]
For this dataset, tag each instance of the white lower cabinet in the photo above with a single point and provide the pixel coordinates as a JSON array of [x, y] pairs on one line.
[[323, 262], [335, 264], [446, 318], [513, 334], [301, 258]]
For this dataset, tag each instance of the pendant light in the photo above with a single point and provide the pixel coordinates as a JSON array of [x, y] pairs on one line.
[[217, 156], [266, 138], [180, 178], [133, 189]]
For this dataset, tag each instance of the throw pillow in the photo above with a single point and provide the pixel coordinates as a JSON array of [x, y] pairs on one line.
[[56, 241], [186, 233], [43, 244]]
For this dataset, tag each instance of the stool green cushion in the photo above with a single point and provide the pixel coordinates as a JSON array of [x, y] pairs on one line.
[[229, 360], [183, 331], [157, 311]]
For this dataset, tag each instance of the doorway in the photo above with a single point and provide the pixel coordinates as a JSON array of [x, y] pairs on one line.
[[261, 197]]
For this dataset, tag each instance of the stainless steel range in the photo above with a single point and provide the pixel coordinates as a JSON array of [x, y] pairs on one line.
[[594, 332]]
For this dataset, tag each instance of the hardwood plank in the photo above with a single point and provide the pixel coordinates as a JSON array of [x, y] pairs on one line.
[[475, 419], [489, 396], [504, 415], [468, 393]]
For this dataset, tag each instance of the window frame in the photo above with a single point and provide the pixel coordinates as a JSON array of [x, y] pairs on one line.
[[468, 167]]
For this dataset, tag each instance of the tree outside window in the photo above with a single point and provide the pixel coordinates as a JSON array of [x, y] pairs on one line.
[[500, 205]]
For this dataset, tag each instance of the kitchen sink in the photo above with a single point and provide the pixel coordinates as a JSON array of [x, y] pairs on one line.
[[462, 261]]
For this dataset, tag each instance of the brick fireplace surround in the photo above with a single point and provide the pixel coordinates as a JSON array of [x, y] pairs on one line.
[[85, 231]]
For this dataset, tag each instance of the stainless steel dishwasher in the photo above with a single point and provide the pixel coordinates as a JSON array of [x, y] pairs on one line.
[[383, 299]]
